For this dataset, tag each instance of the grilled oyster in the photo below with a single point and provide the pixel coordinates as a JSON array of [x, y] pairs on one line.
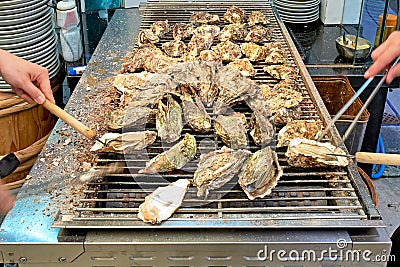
[[278, 98], [128, 141], [284, 115], [163, 202], [207, 93], [260, 173], [306, 153], [257, 17], [308, 129], [275, 54], [204, 18], [195, 114], [124, 117], [149, 58], [218, 167], [160, 28], [228, 51], [146, 36], [174, 158], [209, 55], [182, 31], [202, 38], [175, 48], [233, 87], [232, 129], [169, 120], [282, 72], [234, 15], [244, 66], [287, 84], [253, 52], [123, 82], [234, 32], [258, 34]]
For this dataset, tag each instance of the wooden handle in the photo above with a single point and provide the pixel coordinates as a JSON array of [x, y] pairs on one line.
[[67, 118], [378, 158]]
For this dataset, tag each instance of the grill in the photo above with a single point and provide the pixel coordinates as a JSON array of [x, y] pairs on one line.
[[302, 198]]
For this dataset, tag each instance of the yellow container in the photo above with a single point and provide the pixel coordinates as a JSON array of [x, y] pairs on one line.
[[391, 21]]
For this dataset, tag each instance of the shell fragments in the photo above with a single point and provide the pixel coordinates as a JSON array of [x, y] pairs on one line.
[[218, 167], [163, 202], [308, 129], [306, 153], [232, 129], [260, 173], [174, 158], [115, 142]]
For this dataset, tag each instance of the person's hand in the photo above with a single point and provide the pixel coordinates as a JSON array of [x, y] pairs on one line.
[[384, 55], [7, 200], [28, 80]]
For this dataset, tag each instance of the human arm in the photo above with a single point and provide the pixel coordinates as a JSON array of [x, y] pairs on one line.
[[28, 80], [7, 200], [384, 55]]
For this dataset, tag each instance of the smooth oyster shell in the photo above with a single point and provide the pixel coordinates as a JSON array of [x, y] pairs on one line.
[[232, 129]]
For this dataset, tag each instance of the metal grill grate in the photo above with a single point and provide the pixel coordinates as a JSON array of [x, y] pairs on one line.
[[302, 198]]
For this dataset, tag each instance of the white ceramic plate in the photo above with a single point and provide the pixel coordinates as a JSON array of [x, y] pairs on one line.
[[33, 4], [40, 31], [30, 42], [309, 12], [312, 19], [283, 3], [17, 21], [35, 47], [8, 4], [25, 27]]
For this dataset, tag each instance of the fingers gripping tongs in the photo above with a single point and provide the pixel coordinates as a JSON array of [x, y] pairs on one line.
[[348, 104]]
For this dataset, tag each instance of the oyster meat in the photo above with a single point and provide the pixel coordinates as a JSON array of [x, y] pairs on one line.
[[257, 17], [306, 153], [169, 120], [232, 129], [227, 51], [174, 158], [146, 36], [163, 202], [204, 18], [260, 173], [244, 66], [182, 31], [175, 48], [195, 114], [160, 28], [218, 167], [234, 32], [308, 129], [253, 52], [258, 34], [234, 14], [129, 141], [129, 117], [282, 72]]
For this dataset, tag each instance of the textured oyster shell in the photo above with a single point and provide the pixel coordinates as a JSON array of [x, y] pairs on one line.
[[253, 51], [244, 66], [134, 116], [308, 129], [257, 17], [204, 18], [234, 14], [232, 129], [195, 114], [260, 173], [146, 36], [306, 153], [258, 34], [174, 158], [175, 48], [228, 51], [234, 32], [163, 202], [169, 120], [182, 31], [282, 72], [160, 28], [126, 141], [218, 167]]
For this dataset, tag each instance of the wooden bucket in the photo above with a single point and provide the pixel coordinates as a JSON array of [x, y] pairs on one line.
[[25, 128]]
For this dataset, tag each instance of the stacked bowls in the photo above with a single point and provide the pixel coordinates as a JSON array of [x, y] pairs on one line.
[[27, 30], [298, 11]]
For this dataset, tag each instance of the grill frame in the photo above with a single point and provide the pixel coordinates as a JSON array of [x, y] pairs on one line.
[[368, 215]]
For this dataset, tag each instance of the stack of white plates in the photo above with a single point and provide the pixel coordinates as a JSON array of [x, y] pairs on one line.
[[298, 11], [27, 30]]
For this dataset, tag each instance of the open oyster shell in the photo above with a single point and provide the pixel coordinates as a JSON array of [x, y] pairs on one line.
[[306, 153], [218, 167], [174, 158], [308, 129], [163, 202], [232, 129], [116, 142], [260, 173]]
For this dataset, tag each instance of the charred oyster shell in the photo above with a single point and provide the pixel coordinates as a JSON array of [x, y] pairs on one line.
[[169, 120], [218, 167], [232, 129], [260, 173], [163, 202], [306, 153], [174, 158], [308, 129]]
